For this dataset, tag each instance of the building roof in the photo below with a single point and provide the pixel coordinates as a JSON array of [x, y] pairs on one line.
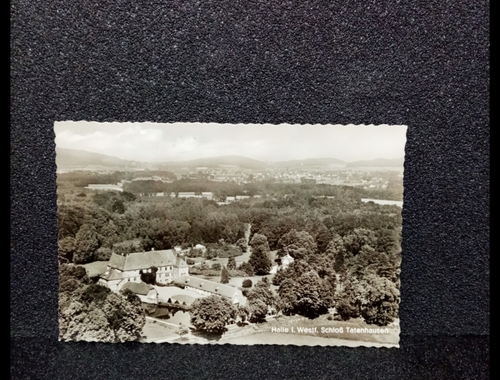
[[209, 286], [176, 294], [111, 275], [138, 287], [145, 260]]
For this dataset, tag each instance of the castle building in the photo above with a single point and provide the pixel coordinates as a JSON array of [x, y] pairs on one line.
[[128, 268]]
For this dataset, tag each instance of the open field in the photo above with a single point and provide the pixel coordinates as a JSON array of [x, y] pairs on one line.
[[157, 330], [95, 268]]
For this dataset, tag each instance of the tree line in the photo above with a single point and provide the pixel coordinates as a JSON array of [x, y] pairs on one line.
[[92, 226]]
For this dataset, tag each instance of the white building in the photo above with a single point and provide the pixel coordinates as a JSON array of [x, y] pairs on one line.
[[105, 187], [207, 288], [128, 268]]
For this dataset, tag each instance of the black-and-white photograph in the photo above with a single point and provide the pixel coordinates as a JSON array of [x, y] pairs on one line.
[[204, 233]]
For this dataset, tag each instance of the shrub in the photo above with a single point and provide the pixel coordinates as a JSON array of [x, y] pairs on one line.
[[190, 262], [247, 268], [247, 283], [103, 254], [237, 273], [216, 266], [346, 310]]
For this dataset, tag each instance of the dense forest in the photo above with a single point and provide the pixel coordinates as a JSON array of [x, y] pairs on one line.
[[346, 252]]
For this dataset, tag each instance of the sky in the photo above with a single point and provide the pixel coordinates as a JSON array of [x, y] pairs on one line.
[[154, 142]]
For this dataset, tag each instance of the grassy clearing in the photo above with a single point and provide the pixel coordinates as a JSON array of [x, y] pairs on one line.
[[96, 268], [155, 330]]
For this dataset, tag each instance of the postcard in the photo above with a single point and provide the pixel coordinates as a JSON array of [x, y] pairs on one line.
[[205, 233]]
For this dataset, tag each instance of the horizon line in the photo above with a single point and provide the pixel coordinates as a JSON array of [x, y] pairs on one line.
[[231, 155]]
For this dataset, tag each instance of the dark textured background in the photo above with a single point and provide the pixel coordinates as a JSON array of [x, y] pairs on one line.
[[423, 64]]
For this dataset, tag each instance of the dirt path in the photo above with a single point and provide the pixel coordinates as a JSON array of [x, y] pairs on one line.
[[247, 235]]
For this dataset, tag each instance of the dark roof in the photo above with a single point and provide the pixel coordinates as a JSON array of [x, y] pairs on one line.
[[209, 286], [110, 275], [183, 298], [145, 260], [137, 287]]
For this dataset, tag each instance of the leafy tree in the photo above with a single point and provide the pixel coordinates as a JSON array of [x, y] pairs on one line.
[[246, 283], [108, 234], [308, 289], [216, 266], [118, 206], [259, 259], [128, 246], [359, 238], [70, 218], [299, 245], [103, 254], [242, 244], [348, 306], [131, 297], [67, 248], [258, 239], [258, 310], [224, 277], [279, 277], [72, 277], [328, 291], [322, 265], [388, 241], [210, 254], [336, 254], [295, 251], [323, 238], [262, 291], [231, 263], [149, 277], [379, 299], [212, 313], [304, 295], [127, 197], [288, 296], [369, 261], [247, 268], [92, 312], [86, 243], [243, 312]]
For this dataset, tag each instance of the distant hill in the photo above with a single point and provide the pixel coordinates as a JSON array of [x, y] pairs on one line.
[[214, 162], [72, 158], [69, 158], [311, 162], [378, 162]]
